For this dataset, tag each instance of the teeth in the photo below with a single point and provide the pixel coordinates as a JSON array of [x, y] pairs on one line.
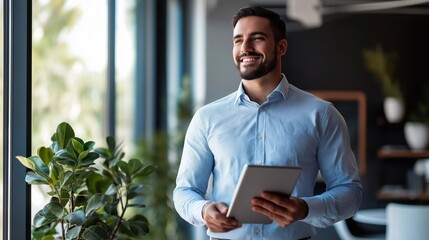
[[249, 59]]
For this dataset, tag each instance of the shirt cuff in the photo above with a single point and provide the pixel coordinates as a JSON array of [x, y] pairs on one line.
[[316, 210], [199, 209]]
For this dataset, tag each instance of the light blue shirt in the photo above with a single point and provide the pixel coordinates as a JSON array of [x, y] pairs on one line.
[[292, 128]]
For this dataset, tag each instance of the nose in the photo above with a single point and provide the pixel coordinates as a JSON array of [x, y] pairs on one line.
[[247, 46]]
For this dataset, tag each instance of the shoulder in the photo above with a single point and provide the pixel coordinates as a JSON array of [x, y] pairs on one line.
[[217, 106], [214, 111], [305, 98]]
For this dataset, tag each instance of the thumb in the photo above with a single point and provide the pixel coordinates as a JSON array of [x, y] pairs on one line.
[[222, 208]]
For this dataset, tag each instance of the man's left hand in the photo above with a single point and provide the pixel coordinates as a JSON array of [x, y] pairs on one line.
[[281, 209]]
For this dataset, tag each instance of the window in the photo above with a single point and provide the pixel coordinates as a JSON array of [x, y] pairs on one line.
[[69, 62], [125, 73], [70, 67]]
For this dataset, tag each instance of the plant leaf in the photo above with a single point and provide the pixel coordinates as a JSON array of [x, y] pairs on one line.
[[63, 134], [73, 232], [26, 162], [46, 154], [97, 201], [33, 178], [51, 212], [124, 167], [144, 171], [95, 233], [134, 165], [66, 179], [77, 145], [65, 158], [88, 145], [40, 167], [76, 217], [111, 143], [89, 159]]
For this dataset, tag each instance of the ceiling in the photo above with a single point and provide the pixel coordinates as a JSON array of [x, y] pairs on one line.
[[303, 14]]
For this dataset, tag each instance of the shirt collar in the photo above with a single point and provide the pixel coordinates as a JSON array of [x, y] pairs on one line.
[[282, 89]]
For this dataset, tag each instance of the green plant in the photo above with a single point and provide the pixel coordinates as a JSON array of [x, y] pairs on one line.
[[382, 65], [164, 150], [419, 108], [90, 189]]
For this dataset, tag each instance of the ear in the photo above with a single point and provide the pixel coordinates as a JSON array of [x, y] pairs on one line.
[[283, 47]]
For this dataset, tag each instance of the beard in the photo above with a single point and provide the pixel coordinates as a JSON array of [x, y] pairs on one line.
[[250, 73]]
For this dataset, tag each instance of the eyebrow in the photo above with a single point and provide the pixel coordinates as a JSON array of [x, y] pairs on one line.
[[251, 34]]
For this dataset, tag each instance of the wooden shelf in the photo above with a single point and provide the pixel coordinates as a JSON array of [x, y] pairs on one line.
[[401, 195], [387, 152]]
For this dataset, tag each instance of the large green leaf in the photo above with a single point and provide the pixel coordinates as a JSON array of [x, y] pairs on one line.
[[66, 178], [26, 162], [88, 159], [33, 178], [97, 183], [65, 158], [111, 143], [134, 165], [137, 226], [76, 217], [96, 233], [73, 232], [40, 167], [124, 167], [88, 145], [77, 145], [97, 201], [63, 134], [46, 154], [144, 171], [53, 211]]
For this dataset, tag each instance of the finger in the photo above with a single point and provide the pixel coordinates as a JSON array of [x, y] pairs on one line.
[[276, 198]]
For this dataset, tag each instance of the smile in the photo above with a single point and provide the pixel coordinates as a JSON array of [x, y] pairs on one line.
[[248, 59]]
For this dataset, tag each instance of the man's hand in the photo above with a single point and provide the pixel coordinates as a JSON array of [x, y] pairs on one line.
[[214, 214], [281, 209]]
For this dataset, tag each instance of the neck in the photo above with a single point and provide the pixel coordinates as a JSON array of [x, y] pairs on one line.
[[259, 89]]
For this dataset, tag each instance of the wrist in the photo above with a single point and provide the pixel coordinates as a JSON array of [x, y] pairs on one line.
[[203, 210]]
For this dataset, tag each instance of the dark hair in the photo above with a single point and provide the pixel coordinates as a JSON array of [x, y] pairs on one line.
[[277, 24]]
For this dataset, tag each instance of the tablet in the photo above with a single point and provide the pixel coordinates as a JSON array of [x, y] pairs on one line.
[[254, 179]]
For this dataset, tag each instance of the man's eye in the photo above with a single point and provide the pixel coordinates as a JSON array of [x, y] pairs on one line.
[[237, 42]]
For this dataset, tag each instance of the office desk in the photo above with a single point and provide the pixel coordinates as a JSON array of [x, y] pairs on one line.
[[376, 216]]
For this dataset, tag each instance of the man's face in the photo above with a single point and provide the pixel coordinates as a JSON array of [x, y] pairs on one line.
[[255, 52]]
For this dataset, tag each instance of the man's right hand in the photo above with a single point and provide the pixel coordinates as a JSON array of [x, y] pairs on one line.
[[214, 213]]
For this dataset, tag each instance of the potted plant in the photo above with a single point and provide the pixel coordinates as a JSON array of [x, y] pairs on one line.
[[416, 128], [382, 66], [91, 189]]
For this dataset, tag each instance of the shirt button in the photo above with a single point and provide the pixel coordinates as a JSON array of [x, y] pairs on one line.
[[261, 109], [257, 230]]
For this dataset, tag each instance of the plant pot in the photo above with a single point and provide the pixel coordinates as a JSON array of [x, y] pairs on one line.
[[416, 135], [393, 109]]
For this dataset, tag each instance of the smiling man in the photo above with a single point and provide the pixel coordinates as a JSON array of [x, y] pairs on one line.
[[267, 121]]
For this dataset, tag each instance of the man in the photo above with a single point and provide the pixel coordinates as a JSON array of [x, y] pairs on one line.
[[267, 121]]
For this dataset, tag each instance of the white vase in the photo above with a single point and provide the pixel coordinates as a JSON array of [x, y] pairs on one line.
[[393, 109], [416, 135]]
